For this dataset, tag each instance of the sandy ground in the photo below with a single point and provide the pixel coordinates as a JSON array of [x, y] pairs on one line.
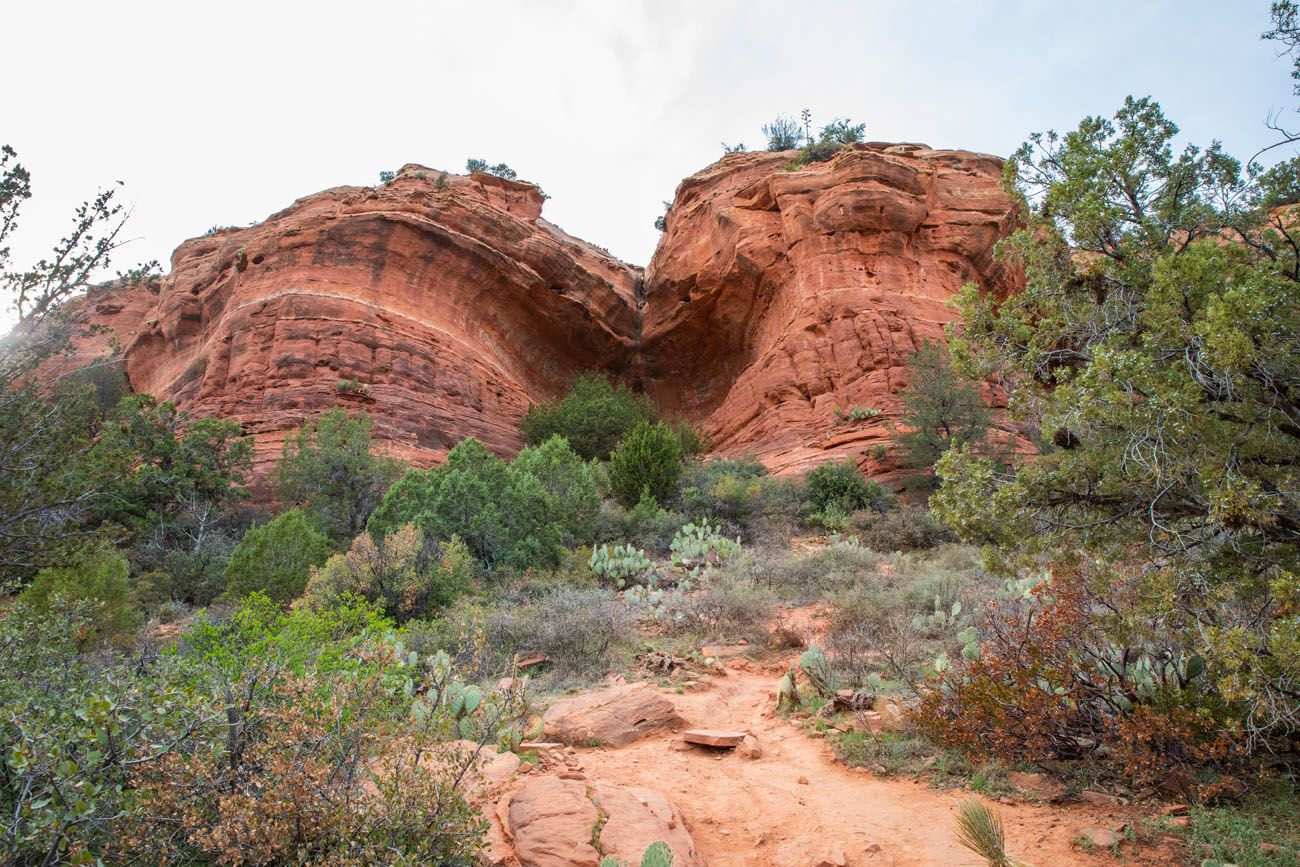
[[797, 806]]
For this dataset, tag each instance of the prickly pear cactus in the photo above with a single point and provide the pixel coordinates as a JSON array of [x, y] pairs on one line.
[[658, 855], [818, 671], [622, 564]]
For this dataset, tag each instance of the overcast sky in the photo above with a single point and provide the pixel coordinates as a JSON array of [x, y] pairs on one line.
[[222, 113]]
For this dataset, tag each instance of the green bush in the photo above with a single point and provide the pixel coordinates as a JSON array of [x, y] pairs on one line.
[[569, 482], [330, 470], [99, 583], [593, 416], [648, 459], [520, 514], [646, 526], [276, 558], [398, 571], [838, 487]]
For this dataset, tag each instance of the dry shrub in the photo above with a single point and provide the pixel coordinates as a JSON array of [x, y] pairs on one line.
[[908, 528], [1063, 675], [725, 609]]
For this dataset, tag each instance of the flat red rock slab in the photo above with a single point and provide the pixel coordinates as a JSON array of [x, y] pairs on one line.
[[713, 737]]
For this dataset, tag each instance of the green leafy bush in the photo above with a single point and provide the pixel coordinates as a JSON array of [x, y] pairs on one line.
[[839, 489], [649, 459], [399, 571], [99, 583], [108, 754], [331, 471], [594, 415], [520, 514], [276, 558], [571, 484]]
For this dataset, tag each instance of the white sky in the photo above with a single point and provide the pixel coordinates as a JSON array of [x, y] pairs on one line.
[[222, 113]]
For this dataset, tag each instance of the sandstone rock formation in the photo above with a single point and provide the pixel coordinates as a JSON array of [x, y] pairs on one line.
[[615, 715], [554, 822], [447, 299], [777, 297], [443, 305]]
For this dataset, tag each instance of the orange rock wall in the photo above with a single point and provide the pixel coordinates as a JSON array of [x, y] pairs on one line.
[[774, 297]]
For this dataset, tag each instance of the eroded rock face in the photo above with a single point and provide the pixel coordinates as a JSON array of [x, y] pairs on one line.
[[776, 297], [444, 305], [447, 299]]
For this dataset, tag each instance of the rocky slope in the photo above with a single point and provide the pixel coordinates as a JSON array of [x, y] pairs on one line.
[[443, 304]]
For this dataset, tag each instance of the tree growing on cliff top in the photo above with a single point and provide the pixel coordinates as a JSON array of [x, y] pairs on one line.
[[782, 133], [501, 170]]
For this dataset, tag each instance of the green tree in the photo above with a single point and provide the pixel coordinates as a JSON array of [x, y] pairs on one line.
[[501, 170], [276, 558], [782, 133], [99, 583], [519, 514], [1155, 348], [329, 468], [648, 459], [49, 484], [840, 487], [941, 408], [569, 484], [593, 416]]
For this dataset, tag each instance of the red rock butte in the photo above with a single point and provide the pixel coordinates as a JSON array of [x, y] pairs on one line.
[[444, 305]]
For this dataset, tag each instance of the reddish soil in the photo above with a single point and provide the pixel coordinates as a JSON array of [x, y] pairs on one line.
[[796, 805]]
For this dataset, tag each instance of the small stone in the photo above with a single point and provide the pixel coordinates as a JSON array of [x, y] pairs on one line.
[[803, 781], [573, 775], [526, 767], [1101, 838], [750, 748], [832, 857], [528, 660], [1100, 799], [1174, 810], [1038, 785], [714, 737]]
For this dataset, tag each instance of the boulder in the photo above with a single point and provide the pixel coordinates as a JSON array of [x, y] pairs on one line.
[[614, 716], [550, 821], [637, 817]]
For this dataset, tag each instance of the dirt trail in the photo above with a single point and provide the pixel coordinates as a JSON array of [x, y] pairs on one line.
[[757, 812]]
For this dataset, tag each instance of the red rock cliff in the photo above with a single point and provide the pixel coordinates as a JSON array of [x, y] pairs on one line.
[[777, 297], [774, 298], [446, 298]]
